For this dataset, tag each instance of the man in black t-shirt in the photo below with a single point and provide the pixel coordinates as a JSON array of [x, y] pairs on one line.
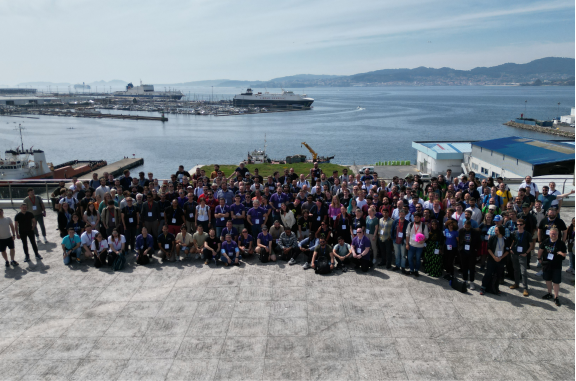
[[552, 252], [166, 244], [550, 222], [25, 225]]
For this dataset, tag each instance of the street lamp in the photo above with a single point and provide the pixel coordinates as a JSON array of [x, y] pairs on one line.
[[558, 109]]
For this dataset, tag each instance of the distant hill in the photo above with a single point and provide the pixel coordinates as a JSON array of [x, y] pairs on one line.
[[43, 84], [113, 83]]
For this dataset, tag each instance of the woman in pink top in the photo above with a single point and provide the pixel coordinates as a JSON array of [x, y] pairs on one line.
[[334, 208]]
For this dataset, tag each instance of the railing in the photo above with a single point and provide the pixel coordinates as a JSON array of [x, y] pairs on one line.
[[18, 189]]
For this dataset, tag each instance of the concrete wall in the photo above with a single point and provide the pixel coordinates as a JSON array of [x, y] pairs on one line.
[[427, 164], [504, 166]]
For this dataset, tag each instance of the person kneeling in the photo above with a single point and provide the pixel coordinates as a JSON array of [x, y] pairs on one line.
[[342, 254], [230, 252], [144, 247], [323, 258], [211, 248], [71, 246], [264, 246]]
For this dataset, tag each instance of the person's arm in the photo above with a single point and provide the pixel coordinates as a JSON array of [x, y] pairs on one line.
[[313, 259], [123, 222], [560, 197], [13, 230], [17, 230], [34, 224]]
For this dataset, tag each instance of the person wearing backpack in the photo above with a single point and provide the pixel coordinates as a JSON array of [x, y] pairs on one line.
[[144, 247], [414, 246], [323, 258]]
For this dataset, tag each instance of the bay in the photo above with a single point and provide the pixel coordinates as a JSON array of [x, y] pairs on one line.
[[389, 120]]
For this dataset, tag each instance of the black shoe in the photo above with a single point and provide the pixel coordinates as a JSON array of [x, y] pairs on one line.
[[396, 268], [547, 296], [344, 269], [415, 273], [405, 272], [7, 264], [27, 259], [38, 256], [14, 263], [382, 264], [557, 301]]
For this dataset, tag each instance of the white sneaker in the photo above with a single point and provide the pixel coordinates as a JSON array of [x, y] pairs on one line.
[[292, 261], [306, 266], [539, 273], [538, 264], [472, 287], [197, 256], [45, 240]]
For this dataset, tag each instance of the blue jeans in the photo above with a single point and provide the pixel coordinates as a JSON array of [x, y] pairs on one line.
[[219, 230], [232, 258], [400, 253], [571, 257], [256, 229], [415, 252], [76, 252]]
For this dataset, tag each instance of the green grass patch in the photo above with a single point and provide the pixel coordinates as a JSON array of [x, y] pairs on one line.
[[269, 169]]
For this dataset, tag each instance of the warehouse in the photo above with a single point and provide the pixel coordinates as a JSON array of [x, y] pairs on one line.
[[435, 158], [516, 157], [24, 100]]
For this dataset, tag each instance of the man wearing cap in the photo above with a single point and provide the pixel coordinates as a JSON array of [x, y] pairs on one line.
[[467, 217], [498, 221]]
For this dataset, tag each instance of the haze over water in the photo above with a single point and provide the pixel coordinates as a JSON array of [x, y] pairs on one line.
[[390, 119]]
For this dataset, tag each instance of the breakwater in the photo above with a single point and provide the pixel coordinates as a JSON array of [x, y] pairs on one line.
[[544, 130]]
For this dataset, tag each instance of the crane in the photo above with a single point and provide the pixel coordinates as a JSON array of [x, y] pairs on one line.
[[314, 154]]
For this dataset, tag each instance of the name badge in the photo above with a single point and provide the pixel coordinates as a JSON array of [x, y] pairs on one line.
[[449, 247], [486, 237], [257, 221], [359, 250], [130, 220], [173, 220], [400, 235], [222, 218], [381, 231], [279, 205], [167, 246], [113, 219], [318, 218], [519, 249], [550, 256], [367, 231], [334, 218], [150, 214], [238, 214], [343, 227], [499, 253], [547, 232], [191, 215], [466, 247], [34, 207], [444, 233], [354, 231], [161, 214], [436, 251]]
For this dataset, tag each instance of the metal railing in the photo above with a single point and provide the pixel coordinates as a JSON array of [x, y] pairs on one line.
[[18, 189]]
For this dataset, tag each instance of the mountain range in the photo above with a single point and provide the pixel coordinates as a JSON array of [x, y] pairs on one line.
[[556, 71]]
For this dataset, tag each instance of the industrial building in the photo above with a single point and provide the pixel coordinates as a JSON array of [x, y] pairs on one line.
[[569, 118], [517, 157], [16, 90], [435, 158], [25, 100]]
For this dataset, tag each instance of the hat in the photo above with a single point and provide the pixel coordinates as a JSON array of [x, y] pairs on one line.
[[553, 207], [492, 207], [469, 210], [408, 176], [497, 218], [525, 205], [264, 227], [189, 187]]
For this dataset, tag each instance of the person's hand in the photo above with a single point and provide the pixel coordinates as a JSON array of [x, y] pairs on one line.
[[523, 255], [312, 265], [497, 259], [407, 247], [17, 235], [331, 267], [44, 213]]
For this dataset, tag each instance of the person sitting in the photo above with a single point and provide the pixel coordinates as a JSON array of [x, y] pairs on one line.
[[307, 246], [246, 243], [323, 257], [211, 248], [184, 244], [342, 254], [264, 244], [99, 249], [71, 247], [166, 244], [287, 245], [86, 240], [230, 252], [144, 247], [116, 244]]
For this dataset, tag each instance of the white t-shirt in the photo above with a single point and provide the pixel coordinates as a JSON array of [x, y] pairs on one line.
[[103, 245], [202, 213], [555, 193], [87, 239], [533, 188], [5, 228], [116, 245]]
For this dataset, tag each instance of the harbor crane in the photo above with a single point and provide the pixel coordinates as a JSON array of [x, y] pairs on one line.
[[315, 156]]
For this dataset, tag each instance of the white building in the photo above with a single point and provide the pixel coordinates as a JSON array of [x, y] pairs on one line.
[[569, 118], [436, 157]]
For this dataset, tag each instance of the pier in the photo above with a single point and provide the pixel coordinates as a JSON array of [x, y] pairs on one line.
[[563, 131], [116, 168]]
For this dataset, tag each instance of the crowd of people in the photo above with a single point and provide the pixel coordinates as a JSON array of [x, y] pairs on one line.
[[331, 221]]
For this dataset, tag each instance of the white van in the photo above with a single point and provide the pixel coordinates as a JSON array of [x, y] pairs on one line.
[[369, 168]]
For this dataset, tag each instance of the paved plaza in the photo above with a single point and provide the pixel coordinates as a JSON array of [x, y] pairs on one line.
[[187, 321]]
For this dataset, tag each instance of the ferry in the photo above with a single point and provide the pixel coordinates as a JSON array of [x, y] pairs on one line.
[[286, 99], [147, 91]]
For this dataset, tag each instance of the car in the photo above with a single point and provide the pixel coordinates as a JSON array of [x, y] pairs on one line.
[[369, 168], [425, 176]]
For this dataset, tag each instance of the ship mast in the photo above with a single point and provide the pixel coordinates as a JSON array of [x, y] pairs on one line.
[[21, 141]]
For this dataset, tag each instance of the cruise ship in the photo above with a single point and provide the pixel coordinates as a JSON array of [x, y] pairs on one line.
[[147, 91], [285, 99]]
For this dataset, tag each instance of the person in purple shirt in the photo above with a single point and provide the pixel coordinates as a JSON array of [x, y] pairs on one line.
[[276, 201], [256, 217], [361, 251], [238, 213], [246, 243], [182, 199], [221, 215], [229, 229], [264, 243], [230, 252]]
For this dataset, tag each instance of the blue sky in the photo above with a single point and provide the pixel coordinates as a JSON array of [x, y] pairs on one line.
[[177, 41]]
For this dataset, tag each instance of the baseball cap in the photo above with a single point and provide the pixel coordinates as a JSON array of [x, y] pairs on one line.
[[497, 218], [492, 207], [525, 205]]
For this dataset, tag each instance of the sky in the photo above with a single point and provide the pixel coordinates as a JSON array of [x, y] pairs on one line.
[[175, 41]]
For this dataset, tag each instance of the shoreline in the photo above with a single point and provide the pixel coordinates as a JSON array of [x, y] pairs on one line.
[[544, 130]]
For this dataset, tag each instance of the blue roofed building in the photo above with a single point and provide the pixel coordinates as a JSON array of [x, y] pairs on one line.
[[436, 157], [514, 156]]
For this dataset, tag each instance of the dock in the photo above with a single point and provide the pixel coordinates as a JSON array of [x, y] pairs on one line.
[[544, 130], [116, 168]]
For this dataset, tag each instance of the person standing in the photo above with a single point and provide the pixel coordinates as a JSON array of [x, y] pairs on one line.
[[552, 252], [130, 221], [37, 208], [385, 239], [468, 245], [433, 250], [414, 247], [25, 225], [7, 239], [521, 245], [497, 251], [361, 246]]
